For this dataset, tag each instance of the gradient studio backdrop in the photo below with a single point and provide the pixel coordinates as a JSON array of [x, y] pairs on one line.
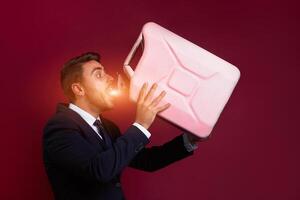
[[254, 151]]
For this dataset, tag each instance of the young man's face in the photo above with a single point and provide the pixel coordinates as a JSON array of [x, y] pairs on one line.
[[96, 84]]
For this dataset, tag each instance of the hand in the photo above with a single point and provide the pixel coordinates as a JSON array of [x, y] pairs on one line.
[[147, 108]]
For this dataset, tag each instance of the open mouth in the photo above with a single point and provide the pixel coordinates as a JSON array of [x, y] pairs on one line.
[[110, 88], [112, 91]]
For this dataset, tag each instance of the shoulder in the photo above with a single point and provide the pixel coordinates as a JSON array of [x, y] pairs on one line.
[[59, 121]]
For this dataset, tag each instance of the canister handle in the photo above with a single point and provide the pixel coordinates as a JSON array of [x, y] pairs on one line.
[[126, 67]]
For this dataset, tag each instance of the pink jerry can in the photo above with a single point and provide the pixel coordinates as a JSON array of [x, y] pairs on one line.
[[198, 83]]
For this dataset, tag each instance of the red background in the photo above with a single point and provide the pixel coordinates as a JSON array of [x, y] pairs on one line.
[[254, 151]]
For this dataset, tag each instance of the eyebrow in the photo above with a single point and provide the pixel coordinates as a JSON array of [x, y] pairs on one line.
[[97, 68]]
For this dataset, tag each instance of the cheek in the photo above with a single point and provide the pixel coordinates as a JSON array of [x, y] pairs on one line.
[[89, 88], [95, 88]]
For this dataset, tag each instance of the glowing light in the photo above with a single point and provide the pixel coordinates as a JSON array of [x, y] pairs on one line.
[[114, 92]]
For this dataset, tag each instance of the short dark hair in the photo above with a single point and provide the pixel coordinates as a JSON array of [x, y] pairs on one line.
[[72, 72]]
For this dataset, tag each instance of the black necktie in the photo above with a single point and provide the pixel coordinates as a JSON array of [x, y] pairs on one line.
[[102, 131]]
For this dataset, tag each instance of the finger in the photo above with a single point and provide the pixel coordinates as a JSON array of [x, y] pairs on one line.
[[162, 108], [151, 92], [158, 99], [142, 92]]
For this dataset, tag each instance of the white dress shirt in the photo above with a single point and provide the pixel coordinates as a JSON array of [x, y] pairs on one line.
[[90, 119]]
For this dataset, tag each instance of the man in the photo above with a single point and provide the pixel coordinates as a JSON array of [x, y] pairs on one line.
[[85, 153]]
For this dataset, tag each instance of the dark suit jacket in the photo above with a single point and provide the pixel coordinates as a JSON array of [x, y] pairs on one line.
[[80, 166]]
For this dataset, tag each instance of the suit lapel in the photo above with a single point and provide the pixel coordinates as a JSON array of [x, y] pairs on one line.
[[84, 126]]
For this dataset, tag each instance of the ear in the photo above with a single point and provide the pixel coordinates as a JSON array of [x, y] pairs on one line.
[[77, 89]]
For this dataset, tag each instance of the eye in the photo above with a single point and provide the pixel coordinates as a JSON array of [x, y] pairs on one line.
[[98, 75]]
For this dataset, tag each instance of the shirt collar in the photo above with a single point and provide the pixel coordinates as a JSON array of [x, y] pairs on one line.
[[90, 119]]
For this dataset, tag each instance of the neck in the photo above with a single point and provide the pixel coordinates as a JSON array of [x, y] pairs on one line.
[[95, 112]]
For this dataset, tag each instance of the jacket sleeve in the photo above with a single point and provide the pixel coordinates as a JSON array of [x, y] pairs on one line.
[[67, 149], [157, 157]]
